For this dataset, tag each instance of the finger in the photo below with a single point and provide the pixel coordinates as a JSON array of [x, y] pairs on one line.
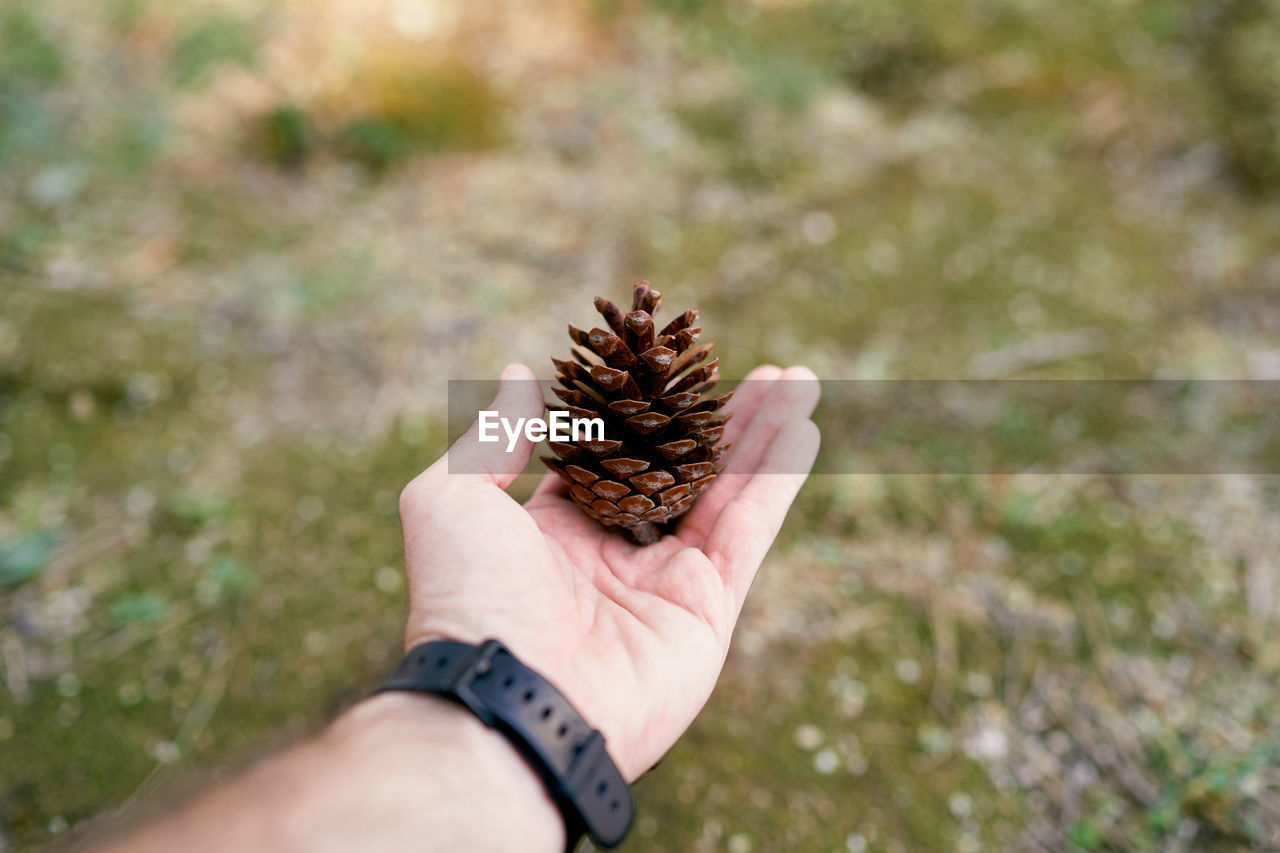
[[792, 397], [518, 397], [550, 486], [746, 400], [748, 524], [744, 407]]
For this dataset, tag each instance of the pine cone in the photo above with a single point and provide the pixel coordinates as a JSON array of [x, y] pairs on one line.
[[662, 431]]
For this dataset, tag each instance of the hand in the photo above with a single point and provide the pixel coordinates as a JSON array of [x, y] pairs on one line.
[[635, 637]]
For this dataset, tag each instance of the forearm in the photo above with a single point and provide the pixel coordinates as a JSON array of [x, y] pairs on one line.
[[398, 772]]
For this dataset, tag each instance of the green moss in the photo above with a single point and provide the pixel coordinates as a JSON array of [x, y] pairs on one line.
[[377, 142], [287, 135], [1237, 45], [220, 40], [31, 62], [137, 692], [27, 54], [885, 772], [23, 557], [400, 103]]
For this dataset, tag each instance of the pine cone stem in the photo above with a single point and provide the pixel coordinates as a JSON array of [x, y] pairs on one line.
[[644, 533]]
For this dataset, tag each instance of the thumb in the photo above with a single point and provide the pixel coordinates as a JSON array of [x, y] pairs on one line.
[[519, 397]]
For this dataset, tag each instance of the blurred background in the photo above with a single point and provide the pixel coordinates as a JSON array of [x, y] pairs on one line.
[[243, 244]]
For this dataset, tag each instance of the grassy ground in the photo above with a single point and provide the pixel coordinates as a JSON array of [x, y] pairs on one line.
[[234, 280]]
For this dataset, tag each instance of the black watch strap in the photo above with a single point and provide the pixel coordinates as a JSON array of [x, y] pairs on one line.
[[567, 754]]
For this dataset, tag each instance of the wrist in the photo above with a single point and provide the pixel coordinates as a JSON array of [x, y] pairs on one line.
[[430, 749]]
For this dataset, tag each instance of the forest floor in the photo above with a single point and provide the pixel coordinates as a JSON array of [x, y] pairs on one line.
[[243, 245]]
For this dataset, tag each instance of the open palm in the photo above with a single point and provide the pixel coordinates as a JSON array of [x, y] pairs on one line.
[[634, 636]]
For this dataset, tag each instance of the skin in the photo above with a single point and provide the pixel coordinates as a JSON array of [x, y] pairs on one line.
[[634, 636]]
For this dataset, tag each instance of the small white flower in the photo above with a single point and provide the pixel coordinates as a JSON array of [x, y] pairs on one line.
[[826, 762]]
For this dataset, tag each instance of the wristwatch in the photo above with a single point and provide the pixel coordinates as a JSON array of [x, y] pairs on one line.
[[568, 755]]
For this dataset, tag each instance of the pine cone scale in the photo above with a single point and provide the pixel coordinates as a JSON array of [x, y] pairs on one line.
[[651, 388]]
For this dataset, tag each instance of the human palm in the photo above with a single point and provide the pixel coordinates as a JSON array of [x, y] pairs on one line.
[[634, 636]]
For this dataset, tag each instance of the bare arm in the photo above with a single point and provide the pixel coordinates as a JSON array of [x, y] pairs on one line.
[[397, 772]]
